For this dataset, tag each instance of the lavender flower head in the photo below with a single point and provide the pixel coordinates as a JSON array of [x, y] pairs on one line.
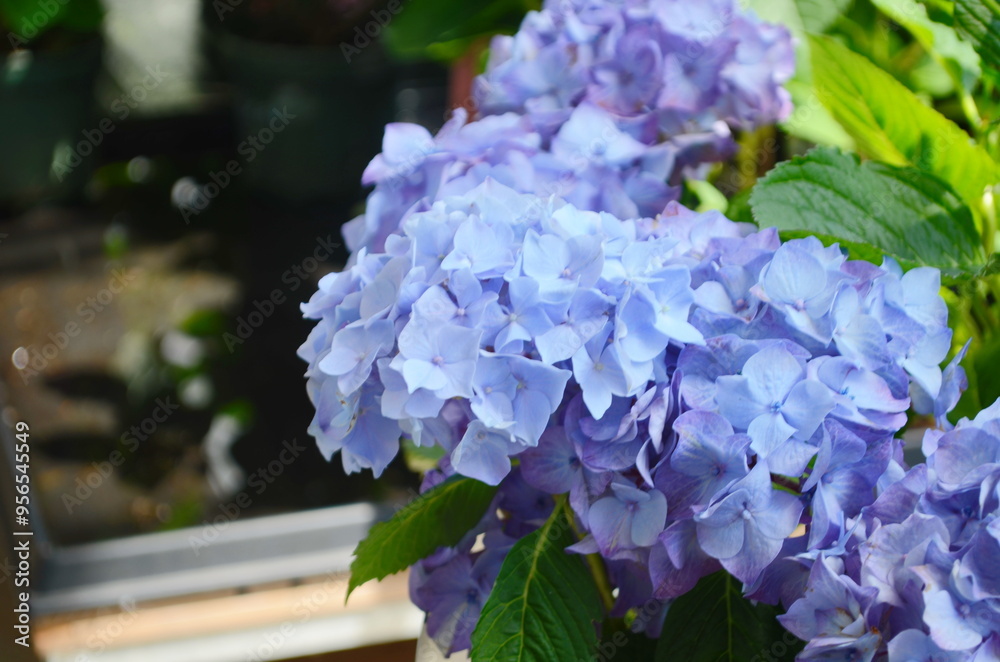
[[707, 396], [919, 572], [608, 105]]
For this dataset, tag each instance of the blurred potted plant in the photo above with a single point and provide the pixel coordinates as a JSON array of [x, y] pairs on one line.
[[51, 56], [315, 68]]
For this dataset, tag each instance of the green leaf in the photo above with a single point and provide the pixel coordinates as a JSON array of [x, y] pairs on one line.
[[938, 39], [810, 120], [979, 22], [818, 15], [544, 604], [437, 518], [891, 124], [902, 212], [715, 623], [800, 16], [445, 28], [992, 265], [618, 642]]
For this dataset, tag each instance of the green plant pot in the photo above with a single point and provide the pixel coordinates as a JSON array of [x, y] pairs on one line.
[[46, 106], [321, 116]]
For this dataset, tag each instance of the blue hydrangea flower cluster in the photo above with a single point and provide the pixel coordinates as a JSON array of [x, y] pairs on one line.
[[707, 397], [917, 573], [606, 104]]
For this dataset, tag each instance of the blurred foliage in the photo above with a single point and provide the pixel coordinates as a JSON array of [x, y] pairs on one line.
[[979, 22], [421, 459], [52, 25], [205, 324], [445, 29], [316, 23]]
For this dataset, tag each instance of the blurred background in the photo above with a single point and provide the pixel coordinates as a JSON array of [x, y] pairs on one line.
[[174, 179]]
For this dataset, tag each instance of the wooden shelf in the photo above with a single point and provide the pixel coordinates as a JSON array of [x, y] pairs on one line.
[[267, 624]]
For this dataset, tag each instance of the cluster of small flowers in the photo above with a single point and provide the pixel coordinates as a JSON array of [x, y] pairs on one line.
[[707, 396], [919, 569], [607, 104]]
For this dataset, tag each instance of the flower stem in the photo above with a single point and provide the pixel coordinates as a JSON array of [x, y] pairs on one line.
[[594, 561]]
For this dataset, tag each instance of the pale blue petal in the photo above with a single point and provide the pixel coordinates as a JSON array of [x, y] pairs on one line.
[[737, 402], [808, 403], [482, 454], [650, 519]]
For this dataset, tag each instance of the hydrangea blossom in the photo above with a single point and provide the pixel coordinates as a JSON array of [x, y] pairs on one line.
[[921, 561], [574, 354], [608, 105], [526, 295]]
